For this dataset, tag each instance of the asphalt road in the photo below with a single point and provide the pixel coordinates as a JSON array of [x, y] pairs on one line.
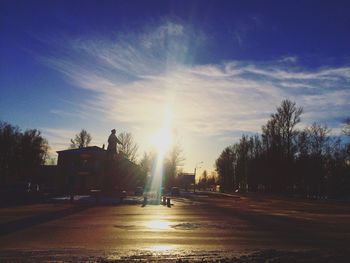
[[195, 228]]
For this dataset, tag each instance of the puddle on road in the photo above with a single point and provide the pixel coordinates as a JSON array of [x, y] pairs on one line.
[[186, 226], [126, 227], [163, 225], [157, 225], [193, 226]]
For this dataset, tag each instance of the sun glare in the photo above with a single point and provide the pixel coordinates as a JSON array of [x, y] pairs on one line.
[[161, 248], [158, 225], [163, 139]]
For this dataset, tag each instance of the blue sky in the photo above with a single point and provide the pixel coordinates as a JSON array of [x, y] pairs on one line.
[[219, 67]]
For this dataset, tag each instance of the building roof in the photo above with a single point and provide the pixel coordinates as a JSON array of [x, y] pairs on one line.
[[83, 150]]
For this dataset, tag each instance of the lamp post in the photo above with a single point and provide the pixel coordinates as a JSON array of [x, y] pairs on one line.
[[195, 170]]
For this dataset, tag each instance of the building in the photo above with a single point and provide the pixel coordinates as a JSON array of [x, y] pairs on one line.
[[81, 168]]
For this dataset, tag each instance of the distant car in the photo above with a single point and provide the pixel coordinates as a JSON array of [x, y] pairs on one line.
[[139, 190], [122, 195], [175, 191]]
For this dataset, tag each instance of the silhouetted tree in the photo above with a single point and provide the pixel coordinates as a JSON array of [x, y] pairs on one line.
[[225, 169], [173, 161], [128, 147], [346, 131], [318, 144], [287, 160], [202, 184], [241, 151], [212, 179], [146, 164], [82, 139], [338, 169], [21, 153], [204, 176], [346, 127], [33, 153], [9, 150], [278, 141]]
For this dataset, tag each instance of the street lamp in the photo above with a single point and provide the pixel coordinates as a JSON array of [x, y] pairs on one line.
[[195, 170]]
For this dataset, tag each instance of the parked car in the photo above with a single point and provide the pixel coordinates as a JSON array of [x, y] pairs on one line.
[[175, 191], [139, 190]]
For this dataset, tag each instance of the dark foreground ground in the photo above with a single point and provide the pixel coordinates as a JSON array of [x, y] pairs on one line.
[[196, 228]]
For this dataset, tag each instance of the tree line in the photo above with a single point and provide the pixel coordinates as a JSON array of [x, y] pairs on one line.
[[21, 154], [206, 181], [285, 159]]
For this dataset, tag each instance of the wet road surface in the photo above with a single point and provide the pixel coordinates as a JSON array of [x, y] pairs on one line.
[[196, 227]]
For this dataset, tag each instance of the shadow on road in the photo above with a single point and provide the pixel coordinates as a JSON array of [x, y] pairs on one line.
[[286, 227], [20, 224]]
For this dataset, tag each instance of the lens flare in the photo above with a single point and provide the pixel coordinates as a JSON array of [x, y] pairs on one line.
[[163, 138], [162, 141]]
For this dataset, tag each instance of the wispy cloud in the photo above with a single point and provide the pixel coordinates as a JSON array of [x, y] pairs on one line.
[[58, 138], [135, 75], [289, 59]]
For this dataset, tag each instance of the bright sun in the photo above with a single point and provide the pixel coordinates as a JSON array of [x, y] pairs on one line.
[[162, 139]]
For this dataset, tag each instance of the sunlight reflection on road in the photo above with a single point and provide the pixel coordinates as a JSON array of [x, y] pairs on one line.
[[158, 225], [161, 248]]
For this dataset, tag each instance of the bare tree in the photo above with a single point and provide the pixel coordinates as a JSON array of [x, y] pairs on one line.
[[318, 138], [287, 117], [279, 135], [128, 147], [284, 159], [204, 176], [173, 162], [82, 139], [224, 167], [21, 153], [346, 131], [146, 162], [346, 127], [203, 180]]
